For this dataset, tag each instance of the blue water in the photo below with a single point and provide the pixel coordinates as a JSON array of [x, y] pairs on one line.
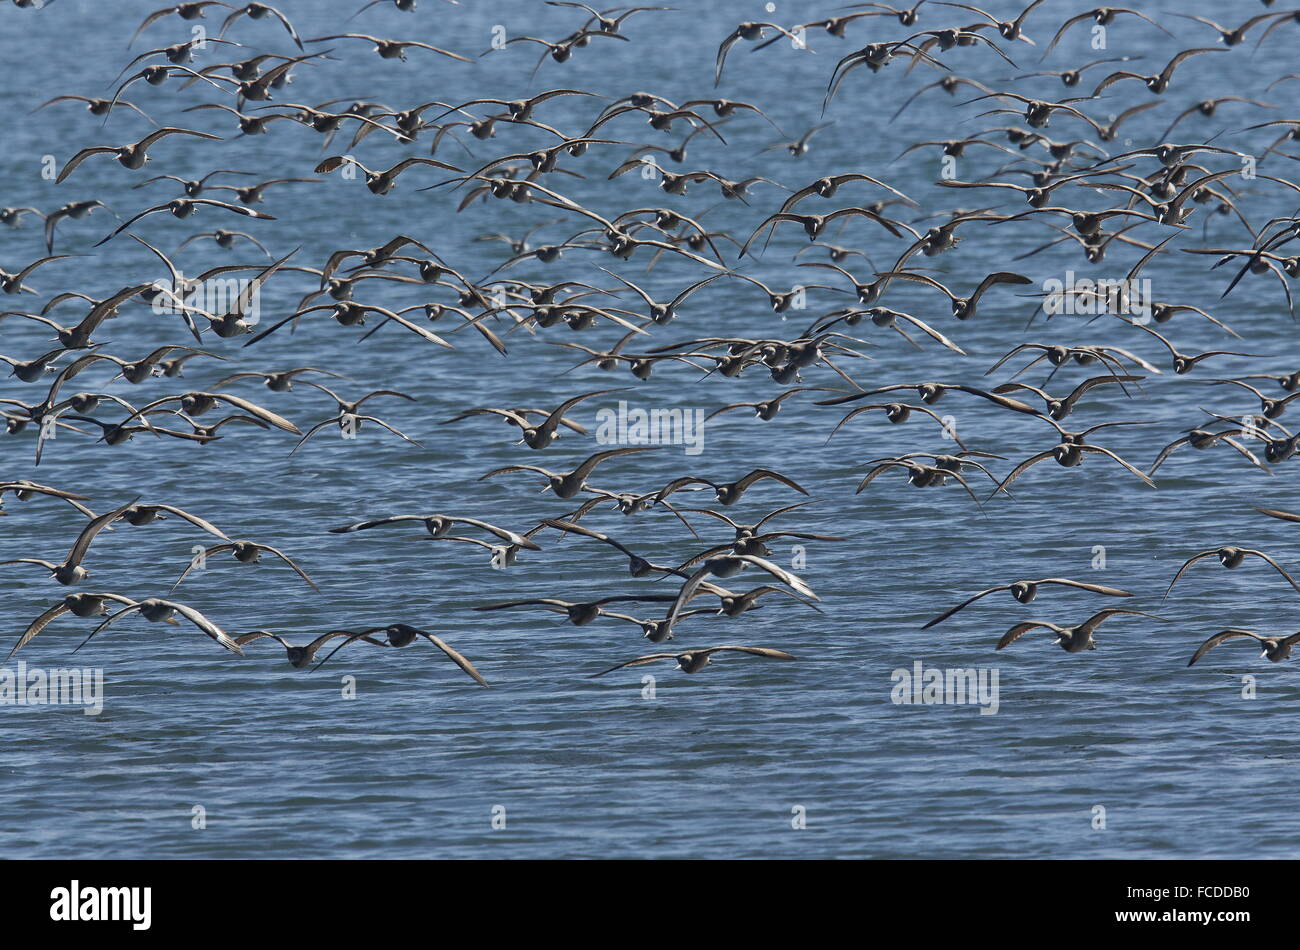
[[715, 764]]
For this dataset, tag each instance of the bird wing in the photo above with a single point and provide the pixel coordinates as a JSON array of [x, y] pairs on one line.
[[502, 533], [456, 657], [553, 420], [255, 410], [1065, 26], [1166, 452], [526, 603], [130, 221], [363, 525], [384, 425], [92, 528], [246, 638], [1095, 588], [1001, 277], [194, 562], [444, 53], [704, 556], [284, 21], [966, 603], [315, 645], [585, 469], [1275, 513], [1020, 469], [1220, 637], [194, 520], [113, 617], [206, 625], [685, 594], [48, 565], [516, 468], [1276, 566], [312, 431], [1168, 71], [932, 333], [288, 560], [428, 335], [720, 59], [754, 651], [1110, 454], [766, 518], [156, 134], [38, 625], [637, 662], [1096, 620], [761, 473], [780, 574], [1186, 564], [80, 157], [1020, 629], [1069, 401], [679, 483]]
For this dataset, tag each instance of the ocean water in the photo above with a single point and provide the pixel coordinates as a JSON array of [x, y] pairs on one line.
[[1121, 752]]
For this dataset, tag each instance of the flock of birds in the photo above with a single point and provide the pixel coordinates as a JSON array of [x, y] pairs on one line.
[[1082, 192]]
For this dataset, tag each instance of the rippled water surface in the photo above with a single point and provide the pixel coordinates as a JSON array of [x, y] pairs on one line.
[[716, 764]]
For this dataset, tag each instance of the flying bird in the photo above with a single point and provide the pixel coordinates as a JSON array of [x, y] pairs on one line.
[[1074, 639], [1276, 649], [131, 155], [1025, 591], [692, 661]]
